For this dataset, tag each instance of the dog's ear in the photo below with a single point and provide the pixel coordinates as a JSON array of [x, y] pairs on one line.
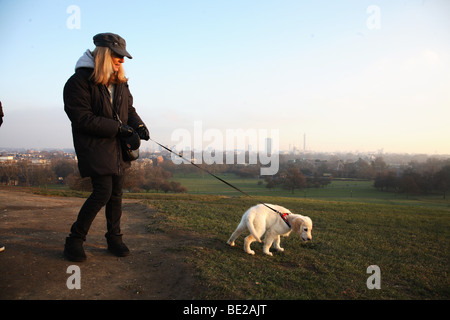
[[297, 224]]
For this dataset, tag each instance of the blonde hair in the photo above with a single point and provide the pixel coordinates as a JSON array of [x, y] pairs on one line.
[[103, 69]]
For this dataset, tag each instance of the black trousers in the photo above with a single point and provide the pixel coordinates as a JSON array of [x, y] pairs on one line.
[[107, 191]]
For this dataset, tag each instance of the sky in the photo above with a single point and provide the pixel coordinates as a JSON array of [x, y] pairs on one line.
[[350, 76]]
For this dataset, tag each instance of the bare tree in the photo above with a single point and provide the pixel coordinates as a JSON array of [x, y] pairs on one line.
[[293, 179]]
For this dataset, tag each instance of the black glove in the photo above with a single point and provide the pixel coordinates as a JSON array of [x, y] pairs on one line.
[[132, 142], [125, 131], [143, 132]]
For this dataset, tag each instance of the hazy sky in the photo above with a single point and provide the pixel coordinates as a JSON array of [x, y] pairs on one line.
[[351, 75]]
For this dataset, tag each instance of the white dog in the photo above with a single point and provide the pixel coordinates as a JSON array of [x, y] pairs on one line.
[[261, 219]]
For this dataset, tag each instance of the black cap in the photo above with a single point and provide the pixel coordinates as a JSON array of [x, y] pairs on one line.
[[113, 41]]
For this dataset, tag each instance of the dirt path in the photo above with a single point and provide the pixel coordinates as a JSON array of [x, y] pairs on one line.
[[33, 229]]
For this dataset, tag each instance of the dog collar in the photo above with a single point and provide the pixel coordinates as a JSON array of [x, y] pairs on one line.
[[283, 216]]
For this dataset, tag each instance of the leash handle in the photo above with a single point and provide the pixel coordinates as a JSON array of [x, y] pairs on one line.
[[220, 179]]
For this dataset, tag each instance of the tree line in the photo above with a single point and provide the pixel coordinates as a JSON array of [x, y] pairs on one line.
[[142, 176], [411, 181]]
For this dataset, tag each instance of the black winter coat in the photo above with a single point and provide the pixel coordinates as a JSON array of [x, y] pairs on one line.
[[94, 126]]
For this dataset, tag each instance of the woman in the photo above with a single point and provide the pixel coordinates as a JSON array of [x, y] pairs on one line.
[[99, 104]]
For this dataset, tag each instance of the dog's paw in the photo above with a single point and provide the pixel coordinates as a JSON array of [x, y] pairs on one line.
[[251, 252], [280, 249], [231, 244], [269, 253]]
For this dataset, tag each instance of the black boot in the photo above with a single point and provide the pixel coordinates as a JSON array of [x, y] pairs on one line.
[[73, 249], [116, 246]]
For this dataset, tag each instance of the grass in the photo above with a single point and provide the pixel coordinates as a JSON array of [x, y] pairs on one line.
[[409, 245]]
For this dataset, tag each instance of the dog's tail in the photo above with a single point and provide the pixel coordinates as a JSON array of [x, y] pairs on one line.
[[251, 228]]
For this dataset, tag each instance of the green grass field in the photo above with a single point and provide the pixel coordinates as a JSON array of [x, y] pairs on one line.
[[338, 190], [355, 226], [408, 243]]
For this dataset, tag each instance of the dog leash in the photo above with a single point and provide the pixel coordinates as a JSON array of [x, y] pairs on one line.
[[282, 215]]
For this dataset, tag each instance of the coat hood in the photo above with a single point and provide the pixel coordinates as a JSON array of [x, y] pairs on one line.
[[85, 61]]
